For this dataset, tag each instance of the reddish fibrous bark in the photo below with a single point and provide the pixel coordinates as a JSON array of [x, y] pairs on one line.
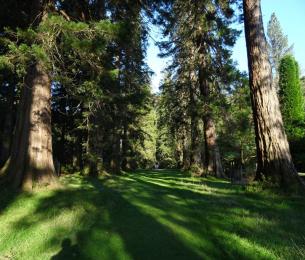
[[212, 154], [31, 158], [213, 163], [273, 154]]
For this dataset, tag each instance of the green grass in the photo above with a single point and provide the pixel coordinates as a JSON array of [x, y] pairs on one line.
[[151, 215]]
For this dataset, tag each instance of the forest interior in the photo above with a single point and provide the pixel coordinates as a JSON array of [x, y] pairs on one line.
[[96, 163]]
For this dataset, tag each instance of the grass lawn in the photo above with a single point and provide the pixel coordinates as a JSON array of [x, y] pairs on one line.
[[151, 215]]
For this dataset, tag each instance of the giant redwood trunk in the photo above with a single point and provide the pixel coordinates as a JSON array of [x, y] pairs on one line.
[[212, 155], [273, 154], [195, 153], [186, 158], [31, 162]]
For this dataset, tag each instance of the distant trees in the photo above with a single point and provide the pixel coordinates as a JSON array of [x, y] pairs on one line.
[[277, 45], [238, 146], [273, 154], [291, 98], [199, 74]]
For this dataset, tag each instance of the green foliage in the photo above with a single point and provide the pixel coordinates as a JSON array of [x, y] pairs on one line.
[[291, 98], [96, 85], [171, 107], [278, 45], [237, 139], [147, 150], [5, 63], [201, 69], [56, 40]]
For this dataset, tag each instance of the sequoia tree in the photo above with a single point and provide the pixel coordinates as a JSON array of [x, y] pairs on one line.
[[31, 158], [273, 154]]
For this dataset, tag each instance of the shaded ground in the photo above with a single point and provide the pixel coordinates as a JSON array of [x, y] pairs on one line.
[[151, 215]]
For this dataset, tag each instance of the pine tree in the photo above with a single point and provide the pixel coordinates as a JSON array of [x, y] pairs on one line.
[[201, 60], [277, 45]]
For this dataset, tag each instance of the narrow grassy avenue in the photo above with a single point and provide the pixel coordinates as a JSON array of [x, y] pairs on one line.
[[151, 215]]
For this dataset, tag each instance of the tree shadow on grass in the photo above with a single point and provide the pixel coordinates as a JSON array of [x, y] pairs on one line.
[[261, 221], [172, 176], [111, 228], [132, 217], [142, 236], [7, 197]]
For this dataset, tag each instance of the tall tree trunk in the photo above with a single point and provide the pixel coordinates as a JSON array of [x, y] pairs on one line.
[[125, 147], [273, 154], [195, 155], [92, 155], [212, 155], [186, 149], [115, 163], [179, 152], [31, 159]]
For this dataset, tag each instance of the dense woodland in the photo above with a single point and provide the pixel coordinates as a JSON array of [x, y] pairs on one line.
[[75, 92], [95, 165]]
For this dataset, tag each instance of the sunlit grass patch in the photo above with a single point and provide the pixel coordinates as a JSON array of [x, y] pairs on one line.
[[151, 215]]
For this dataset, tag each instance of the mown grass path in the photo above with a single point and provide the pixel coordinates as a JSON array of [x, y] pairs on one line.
[[151, 215]]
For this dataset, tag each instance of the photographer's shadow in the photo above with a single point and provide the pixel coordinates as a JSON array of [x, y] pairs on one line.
[[68, 251]]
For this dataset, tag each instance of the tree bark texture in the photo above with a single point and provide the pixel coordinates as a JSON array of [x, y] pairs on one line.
[[31, 159], [185, 150], [273, 154], [195, 153], [212, 155]]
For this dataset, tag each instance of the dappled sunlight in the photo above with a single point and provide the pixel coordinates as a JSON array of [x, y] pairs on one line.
[[96, 164], [245, 212], [151, 215], [251, 250], [253, 216]]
